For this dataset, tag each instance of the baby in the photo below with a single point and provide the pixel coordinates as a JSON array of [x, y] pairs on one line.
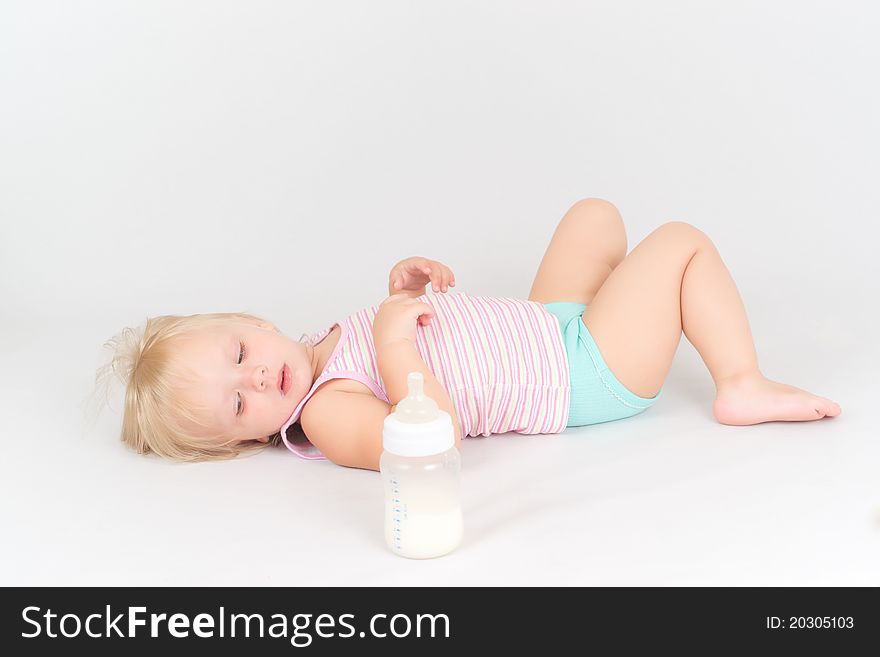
[[593, 343]]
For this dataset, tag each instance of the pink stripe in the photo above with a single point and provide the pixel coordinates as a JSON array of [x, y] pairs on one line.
[[538, 397], [552, 327], [493, 375], [460, 359], [364, 331], [438, 326], [503, 308], [473, 383], [460, 405], [521, 401], [490, 408], [552, 400], [549, 403], [437, 368], [344, 360], [505, 373], [446, 325], [496, 426], [371, 346], [481, 363], [512, 405], [441, 370], [550, 420], [542, 352], [562, 373], [528, 416], [508, 303]]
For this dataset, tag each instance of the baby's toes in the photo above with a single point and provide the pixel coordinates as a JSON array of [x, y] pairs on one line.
[[827, 407]]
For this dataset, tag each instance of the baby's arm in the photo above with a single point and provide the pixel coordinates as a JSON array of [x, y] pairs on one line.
[[396, 360], [346, 427]]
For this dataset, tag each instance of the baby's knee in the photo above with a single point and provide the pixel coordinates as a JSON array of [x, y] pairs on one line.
[[684, 232], [593, 202], [597, 208], [601, 219]]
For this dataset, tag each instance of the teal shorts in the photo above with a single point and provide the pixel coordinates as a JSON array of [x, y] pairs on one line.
[[596, 394]]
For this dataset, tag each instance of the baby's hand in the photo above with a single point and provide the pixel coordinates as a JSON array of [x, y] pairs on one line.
[[397, 317], [412, 274]]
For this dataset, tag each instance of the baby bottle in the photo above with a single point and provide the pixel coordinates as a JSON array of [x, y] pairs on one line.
[[421, 472]]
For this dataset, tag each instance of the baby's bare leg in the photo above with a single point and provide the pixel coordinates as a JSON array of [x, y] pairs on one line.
[[675, 281]]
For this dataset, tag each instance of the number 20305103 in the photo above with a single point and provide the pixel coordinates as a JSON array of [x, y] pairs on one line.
[[809, 622]]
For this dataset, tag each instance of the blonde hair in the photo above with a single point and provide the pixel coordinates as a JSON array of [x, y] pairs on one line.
[[156, 419]]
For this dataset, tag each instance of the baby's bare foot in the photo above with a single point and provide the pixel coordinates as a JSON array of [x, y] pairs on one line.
[[752, 398]]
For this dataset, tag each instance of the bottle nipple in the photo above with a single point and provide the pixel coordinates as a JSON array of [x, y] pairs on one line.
[[416, 407]]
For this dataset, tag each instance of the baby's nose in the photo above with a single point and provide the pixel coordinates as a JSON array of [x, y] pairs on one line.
[[261, 377]]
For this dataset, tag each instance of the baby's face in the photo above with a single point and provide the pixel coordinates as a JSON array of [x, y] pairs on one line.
[[237, 368]]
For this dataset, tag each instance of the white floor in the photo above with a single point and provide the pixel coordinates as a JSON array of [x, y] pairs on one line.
[[666, 498]]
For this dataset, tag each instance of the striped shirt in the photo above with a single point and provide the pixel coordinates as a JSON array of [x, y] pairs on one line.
[[501, 360]]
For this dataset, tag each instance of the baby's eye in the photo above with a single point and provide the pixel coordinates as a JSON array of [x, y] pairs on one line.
[[242, 352]]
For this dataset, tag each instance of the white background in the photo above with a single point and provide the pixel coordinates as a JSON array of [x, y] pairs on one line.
[[279, 157]]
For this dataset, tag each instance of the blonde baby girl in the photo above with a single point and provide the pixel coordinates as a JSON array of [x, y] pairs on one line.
[[593, 342]]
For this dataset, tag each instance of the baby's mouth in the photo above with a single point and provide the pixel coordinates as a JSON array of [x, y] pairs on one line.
[[285, 379]]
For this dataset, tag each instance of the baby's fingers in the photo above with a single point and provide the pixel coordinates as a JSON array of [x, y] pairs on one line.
[[441, 277], [426, 314], [450, 278], [433, 276]]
